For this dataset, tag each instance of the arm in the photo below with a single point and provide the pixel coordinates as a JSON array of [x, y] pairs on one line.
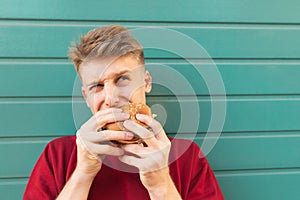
[[152, 159], [79, 184], [160, 185], [92, 146], [192, 171], [77, 187], [47, 180], [203, 183]]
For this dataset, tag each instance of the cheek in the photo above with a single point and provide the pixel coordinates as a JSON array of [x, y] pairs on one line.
[[129, 90], [94, 100], [134, 91], [137, 95]]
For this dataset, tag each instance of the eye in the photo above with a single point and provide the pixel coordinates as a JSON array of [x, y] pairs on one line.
[[96, 86], [122, 80]]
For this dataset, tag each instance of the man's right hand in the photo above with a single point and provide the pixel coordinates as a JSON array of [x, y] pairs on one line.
[[92, 146], [93, 143]]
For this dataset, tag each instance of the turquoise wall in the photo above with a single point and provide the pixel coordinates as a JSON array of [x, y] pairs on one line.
[[254, 45]]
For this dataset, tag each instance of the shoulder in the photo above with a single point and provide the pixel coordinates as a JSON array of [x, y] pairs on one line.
[[191, 171], [65, 141], [61, 154], [61, 148], [184, 147], [52, 169], [186, 154]]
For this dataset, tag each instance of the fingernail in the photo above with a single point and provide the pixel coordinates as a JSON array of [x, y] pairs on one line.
[[127, 123], [129, 135], [125, 115], [139, 116]]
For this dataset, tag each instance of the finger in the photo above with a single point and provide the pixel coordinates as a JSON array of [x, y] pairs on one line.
[[145, 134], [144, 152], [116, 135], [113, 116], [133, 161], [107, 135], [102, 117], [137, 150], [90, 125], [107, 111], [140, 151], [103, 149], [154, 125], [143, 164]]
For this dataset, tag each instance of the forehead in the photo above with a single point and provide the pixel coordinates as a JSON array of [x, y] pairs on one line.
[[102, 69]]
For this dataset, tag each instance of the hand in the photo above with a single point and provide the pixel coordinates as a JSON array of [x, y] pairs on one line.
[[93, 145], [152, 159]]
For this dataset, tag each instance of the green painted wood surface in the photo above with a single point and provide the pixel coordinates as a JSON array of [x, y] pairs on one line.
[[55, 116], [58, 78], [255, 45], [255, 151], [12, 188], [261, 184], [248, 185], [41, 40], [169, 11]]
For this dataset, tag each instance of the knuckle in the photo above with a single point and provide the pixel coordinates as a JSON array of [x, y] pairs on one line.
[[105, 135], [104, 148], [145, 134], [130, 148]]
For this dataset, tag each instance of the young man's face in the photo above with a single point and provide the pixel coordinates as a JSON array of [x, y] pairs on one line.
[[114, 82]]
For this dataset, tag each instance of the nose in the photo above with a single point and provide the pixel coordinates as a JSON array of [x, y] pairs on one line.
[[110, 95]]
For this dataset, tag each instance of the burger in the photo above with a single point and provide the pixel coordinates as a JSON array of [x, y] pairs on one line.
[[132, 109]]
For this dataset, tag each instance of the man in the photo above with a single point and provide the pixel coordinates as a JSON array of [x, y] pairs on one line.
[[110, 64]]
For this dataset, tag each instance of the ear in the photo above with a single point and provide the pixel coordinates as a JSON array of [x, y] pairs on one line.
[[85, 96], [148, 81]]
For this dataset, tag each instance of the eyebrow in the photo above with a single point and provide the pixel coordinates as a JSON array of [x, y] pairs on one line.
[[113, 75]]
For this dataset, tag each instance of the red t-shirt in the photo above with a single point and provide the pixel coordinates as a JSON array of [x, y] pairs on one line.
[[191, 174]]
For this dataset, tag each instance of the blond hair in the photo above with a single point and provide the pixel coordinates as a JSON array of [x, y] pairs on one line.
[[105, 42]]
